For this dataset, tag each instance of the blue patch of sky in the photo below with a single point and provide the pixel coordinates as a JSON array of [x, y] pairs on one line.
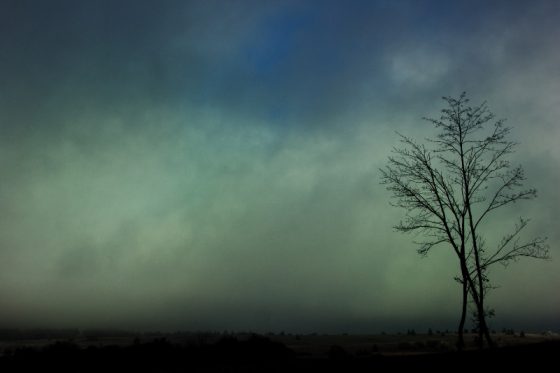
[[276, 39]]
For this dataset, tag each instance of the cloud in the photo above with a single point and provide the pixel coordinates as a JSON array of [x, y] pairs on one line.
[[202, 165], [418, 68]]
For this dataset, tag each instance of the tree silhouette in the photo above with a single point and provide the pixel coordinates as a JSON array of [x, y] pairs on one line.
[[449, 187]]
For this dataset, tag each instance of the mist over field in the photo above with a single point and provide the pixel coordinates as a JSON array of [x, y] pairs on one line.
[[214, 165]]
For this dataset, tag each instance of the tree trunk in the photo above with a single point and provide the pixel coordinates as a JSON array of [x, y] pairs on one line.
[[482, 327], [476, 297], [481, 323], [483, 332], [461, 338]]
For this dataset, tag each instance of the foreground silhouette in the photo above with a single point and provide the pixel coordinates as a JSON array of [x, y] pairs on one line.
[[256, 353]]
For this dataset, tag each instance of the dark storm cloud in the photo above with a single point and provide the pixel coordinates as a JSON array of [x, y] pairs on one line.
[[294, 64], [213, 164]]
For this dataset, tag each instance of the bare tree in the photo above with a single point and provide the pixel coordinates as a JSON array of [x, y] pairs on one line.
[[449, 187]]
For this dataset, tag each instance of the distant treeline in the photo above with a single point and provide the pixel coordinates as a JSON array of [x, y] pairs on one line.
[[13, 334], [27, 334]]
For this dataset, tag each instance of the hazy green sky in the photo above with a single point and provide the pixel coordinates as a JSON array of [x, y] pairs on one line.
[[214, 164]]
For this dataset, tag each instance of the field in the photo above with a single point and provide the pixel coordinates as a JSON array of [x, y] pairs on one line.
[[177, 352], [390, 345]]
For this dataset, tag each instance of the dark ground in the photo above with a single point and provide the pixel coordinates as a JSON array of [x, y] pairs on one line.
[[200, 352]]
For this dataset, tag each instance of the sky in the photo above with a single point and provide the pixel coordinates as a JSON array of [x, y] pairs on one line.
[[214, 165]]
